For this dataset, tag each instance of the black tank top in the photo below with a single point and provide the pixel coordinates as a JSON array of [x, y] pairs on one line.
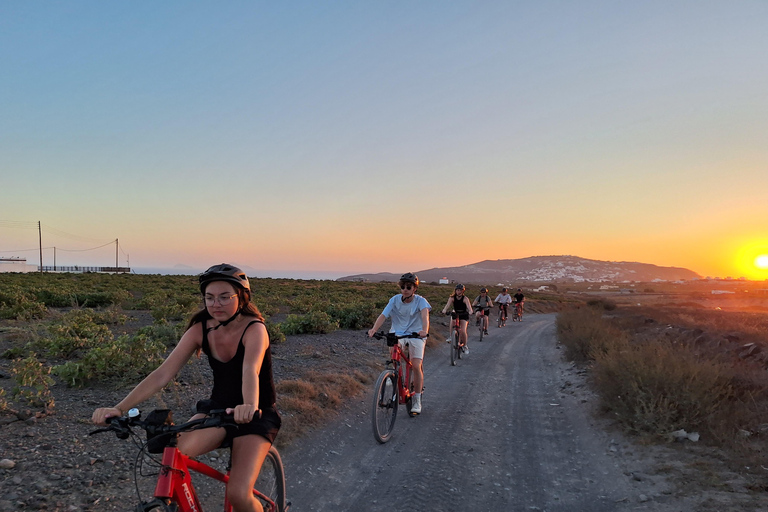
[[459, 305], [228, 377]]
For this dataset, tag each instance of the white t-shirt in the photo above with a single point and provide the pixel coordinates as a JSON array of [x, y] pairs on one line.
[[504, 298], [406, 317]]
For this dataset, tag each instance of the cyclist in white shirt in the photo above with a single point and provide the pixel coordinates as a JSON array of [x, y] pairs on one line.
[[409, 313], [504, 299]]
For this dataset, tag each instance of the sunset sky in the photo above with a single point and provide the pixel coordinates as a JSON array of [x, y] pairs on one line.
[[346, 137]]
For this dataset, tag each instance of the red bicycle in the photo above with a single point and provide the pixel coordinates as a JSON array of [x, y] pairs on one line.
[[518, 312], [455, 339], [393, 387], [174, 491], [502, 318]]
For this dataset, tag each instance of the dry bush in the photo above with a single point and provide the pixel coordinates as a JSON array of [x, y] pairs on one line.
[[585, 333], [310, 401], [657, 388]]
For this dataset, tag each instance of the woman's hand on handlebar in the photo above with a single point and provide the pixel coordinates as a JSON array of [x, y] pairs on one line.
[[371, 332], [102, 414], [244, 413]]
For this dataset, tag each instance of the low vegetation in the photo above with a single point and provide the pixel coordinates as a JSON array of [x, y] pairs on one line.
[[101, 330], [656, 379]]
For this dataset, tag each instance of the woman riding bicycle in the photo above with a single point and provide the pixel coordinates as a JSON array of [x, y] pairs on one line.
[[461, 308], [504, 299], [483, 305], [231, 332], [409, 312]]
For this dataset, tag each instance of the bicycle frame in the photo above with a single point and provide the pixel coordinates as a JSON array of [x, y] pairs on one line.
[[175, 482], [174, 490], [502, 314], [401, 363]]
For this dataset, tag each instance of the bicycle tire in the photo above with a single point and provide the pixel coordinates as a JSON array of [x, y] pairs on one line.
[[384, 405], [482, 323], [500, 320], [454, 348], [271, 481]]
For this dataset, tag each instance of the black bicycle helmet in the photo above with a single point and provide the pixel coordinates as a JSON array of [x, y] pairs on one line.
[[483, 290], [410, 277], [460, 287], [224, 272]]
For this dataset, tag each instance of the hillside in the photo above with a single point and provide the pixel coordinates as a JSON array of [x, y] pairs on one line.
[[543, 269]]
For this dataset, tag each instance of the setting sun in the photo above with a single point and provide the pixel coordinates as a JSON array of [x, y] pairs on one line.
[[752, 260]]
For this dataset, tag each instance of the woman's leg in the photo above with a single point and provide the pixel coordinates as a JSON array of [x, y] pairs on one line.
[[248, 454], [202, 441], [463, 332]]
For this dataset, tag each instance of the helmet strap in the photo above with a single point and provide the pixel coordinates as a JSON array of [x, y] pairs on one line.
[[225, 322]]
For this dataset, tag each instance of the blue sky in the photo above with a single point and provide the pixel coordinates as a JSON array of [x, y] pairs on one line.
[[381, 136]]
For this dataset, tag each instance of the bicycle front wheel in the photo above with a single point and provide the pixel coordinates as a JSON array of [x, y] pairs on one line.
[[271, 482], [454, 348], [385, 402]]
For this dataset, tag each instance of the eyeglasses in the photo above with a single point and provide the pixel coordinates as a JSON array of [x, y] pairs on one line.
[[223, 300], [407, 287]]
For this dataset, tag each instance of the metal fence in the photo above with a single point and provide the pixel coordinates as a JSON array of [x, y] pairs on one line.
[[76, 268]]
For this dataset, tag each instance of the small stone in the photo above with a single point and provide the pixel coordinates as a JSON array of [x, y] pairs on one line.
[[7, 464]]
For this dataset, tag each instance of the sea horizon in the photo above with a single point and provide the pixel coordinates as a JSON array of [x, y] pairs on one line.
[[320, 275]]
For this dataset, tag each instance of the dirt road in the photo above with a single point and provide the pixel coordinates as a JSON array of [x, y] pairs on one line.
[[501, 431]]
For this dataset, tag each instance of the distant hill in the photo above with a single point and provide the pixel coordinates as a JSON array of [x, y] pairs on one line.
[[543, 269]]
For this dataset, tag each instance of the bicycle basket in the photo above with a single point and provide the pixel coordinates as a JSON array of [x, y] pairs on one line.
[[391, 339], [157, 440]]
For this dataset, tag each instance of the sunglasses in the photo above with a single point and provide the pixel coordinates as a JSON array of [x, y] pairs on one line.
[[407, 287]]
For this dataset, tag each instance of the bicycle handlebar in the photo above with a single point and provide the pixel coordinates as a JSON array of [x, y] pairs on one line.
[[121, 425], [381, 335]]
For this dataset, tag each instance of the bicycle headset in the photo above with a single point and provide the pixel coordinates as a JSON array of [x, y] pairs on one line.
[[230, 274]]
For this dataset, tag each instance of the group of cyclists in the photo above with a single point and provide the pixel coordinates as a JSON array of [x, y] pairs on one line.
[[409, 313], [480, 307], [230, 330]]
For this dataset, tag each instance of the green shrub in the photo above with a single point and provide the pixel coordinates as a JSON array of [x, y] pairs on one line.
[[275, 332], [33, 382], [164, 332], [75, 330], [16, 304], [356, 315], [314, 322], [123, 360]]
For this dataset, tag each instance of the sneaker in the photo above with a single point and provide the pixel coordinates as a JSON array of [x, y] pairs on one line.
[[466, 349], [485, 331], [416, 404]]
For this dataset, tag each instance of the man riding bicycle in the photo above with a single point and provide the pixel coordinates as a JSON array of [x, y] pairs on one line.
[[409, 313], [483, 305], [504, 299], [519, 301]]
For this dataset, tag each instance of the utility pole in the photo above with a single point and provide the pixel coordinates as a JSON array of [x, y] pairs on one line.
[[54, 259], [40, 236], [116, 247]]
